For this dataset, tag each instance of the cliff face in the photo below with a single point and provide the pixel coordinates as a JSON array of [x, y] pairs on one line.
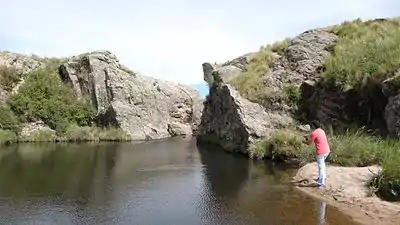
[[294, 82], [144, 107], [233, 121]]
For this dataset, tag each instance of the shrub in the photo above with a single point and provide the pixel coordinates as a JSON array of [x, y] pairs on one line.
[[7, 136], [280, 145], [365, 52], [8, 78], [8, 120], [44, 97], [353, 148], [292, 93], [386, 184], [279, 46]]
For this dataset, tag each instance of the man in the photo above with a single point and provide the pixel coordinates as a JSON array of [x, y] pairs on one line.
[[322, 150]]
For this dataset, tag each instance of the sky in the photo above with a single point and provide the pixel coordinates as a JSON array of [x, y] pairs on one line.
[[170, 39]]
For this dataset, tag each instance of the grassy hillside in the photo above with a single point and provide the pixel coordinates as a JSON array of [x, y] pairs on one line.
[[364, 54], [250, 84]]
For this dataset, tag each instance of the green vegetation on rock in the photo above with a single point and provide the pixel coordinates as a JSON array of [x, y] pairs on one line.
[[8, 120], [365, 52], [250, 83], [44, 97], [386, 184], [8, 78], [8, 136]]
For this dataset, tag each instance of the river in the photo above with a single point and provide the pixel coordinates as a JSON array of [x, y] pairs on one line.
[[164, 182]]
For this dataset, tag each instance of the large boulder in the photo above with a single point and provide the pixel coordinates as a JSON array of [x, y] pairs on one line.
[[232, 121], [392, 115], [144, 107], [226, 71]]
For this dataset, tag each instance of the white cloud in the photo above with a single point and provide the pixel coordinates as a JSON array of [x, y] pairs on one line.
[[169, 39]]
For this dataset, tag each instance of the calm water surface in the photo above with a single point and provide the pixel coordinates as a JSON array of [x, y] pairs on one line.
[[168, 182]]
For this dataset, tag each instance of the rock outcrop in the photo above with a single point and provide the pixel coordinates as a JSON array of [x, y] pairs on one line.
[[234, 122], [297, 65], [32, 131], [227, 70], [22, 63], [144, 107]]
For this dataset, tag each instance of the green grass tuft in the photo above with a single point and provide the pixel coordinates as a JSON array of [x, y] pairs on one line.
[[250, 84], [8, 121], [280, 145], [8, 137], [94, 134], [365, 53]]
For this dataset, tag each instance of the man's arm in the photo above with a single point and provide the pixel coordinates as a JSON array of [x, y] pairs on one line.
[[307, 139]]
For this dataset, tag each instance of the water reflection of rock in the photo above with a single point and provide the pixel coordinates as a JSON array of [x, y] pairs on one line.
[[254, 191], [64, 170], [136, 162], [223, 176], [225, 173]]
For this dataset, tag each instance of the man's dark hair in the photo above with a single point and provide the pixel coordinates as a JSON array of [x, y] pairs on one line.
[[316, 124]]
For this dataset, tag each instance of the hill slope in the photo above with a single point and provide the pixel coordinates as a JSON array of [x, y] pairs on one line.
[[345, 76], [72, 98]]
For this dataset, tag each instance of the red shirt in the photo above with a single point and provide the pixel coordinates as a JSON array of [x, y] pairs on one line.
[[320, 140]]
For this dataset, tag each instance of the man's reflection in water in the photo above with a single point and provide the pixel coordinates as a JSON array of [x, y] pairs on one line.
[[321, 213]]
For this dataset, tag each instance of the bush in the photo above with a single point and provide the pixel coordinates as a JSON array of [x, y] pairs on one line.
[[386, 184], [353, 148], [366, 52], [279, 46], [7, 137], [8, 120], [292, 93], [44, 97], [281, 145], [8, 78]]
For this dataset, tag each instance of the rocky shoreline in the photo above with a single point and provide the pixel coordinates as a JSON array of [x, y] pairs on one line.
[[259, 101], [347, 189]]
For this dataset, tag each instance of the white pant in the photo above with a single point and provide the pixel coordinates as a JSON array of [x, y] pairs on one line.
[[321, 168]]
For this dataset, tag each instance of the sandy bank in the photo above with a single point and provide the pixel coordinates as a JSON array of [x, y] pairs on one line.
[[347, 190]]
